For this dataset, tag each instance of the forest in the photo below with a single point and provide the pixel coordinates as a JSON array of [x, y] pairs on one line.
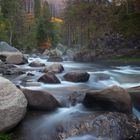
[[85, 23]]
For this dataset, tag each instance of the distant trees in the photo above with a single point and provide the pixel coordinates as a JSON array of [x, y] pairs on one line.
[[46, 29], [87, 20], [14, 22], [37, 8], [25, 30], [126, 17]]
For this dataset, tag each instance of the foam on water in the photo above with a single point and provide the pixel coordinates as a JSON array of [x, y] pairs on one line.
[[127, 70], [86, 137]]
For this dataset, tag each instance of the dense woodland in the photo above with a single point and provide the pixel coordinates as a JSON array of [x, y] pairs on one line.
[[24, 31], [85, 21]]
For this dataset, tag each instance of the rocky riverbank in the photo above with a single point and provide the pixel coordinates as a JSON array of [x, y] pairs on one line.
[[68, 101]]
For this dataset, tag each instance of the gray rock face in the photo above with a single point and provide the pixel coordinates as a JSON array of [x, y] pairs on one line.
[[11, 55], [36, 64], [77, 76], [40, 100], [112, 99], [12, 105], [4, 47], [56, 68]]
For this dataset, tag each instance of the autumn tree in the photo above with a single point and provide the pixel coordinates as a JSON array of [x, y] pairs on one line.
[[45, 27]]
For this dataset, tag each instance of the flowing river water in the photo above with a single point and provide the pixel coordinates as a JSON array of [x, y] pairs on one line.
[[37, 124]]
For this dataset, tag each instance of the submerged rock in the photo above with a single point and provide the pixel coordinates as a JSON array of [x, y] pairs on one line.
[[112, 99], [107, 126], [36, 64], [56, 68], [9, 69], [49, 78], [12, 105], [102, 76], [77, 76], [40, 100]]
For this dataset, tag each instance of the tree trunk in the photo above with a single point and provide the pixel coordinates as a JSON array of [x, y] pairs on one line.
[[69, 36], [11, 35]]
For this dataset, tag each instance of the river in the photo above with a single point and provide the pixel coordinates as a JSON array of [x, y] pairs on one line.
[[37, 124]]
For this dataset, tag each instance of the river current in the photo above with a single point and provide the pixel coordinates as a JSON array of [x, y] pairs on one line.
[[101, 76]]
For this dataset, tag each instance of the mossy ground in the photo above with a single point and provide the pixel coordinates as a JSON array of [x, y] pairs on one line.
[[127, 59], [5, 136]]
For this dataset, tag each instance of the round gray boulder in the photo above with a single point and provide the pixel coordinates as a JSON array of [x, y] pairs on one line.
[[55, 68], [12, 105]]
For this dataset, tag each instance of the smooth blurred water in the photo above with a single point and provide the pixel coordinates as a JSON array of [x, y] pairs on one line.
[[86, 137], [100, 77]]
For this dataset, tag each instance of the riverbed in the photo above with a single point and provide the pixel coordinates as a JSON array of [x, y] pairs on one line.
[[37, 124]]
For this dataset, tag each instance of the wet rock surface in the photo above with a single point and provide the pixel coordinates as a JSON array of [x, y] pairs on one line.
[[77, 76], [113, 99], [56, 68], [100, 125], [36, 64], [50, 78], [9, 69], [116, 126], [40, 100]]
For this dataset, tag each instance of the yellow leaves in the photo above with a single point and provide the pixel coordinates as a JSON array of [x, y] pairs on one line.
[[56, 20], [2, 25]]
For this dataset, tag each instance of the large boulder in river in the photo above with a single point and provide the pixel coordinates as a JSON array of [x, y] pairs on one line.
[[40, 100], [49, 78], [111, 99], [106, 126], [77, 76], [36, 64], [11, 55], [56, 68], [12, 105]]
